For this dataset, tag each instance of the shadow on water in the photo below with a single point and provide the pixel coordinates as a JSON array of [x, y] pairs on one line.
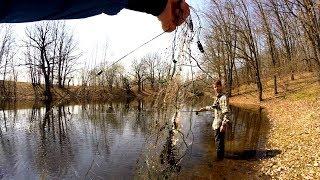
[[108, 140], [253, 154]]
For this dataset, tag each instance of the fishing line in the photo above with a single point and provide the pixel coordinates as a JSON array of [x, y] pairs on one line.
[[101, 71]]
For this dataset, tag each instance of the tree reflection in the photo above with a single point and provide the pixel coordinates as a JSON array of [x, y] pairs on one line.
[[248, 133], [169, 155], [145, 119], [174, 145], [54, 152], [164, 150], [140, 122], [8, 143]]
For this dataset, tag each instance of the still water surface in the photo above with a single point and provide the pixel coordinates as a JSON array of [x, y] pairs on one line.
[[110, 140]]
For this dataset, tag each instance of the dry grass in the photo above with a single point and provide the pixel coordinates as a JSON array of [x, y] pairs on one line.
[[26, 92]]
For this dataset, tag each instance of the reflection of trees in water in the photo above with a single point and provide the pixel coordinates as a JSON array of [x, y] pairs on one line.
[[165, 149], [54, 124], [126, 107], [176, 147], [18, 143], [95, 122], [4, 117], [144, 120], [39, 139], [8, 144], [247, 132], [169, 155], [100, 113], [57, 136], [54, 152], [7, 120], [112, 120]]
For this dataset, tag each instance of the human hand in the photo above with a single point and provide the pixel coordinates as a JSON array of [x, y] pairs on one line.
[[223, 128], [198, 111], [175, 13]]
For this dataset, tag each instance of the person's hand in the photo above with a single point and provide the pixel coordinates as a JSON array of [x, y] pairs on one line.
[[175, 13], [223, 128], [198, 111]]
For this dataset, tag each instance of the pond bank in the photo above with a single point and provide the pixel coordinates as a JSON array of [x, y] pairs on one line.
[[295, 131]]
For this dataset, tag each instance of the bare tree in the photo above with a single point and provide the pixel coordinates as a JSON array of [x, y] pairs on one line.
[[139, 70], [113, 75], [127, 86], [6, 59], [50, 49], [33, 70], [66, 57], [286, 33], [225, 37], [269, 35], [39, 42], [248, 44], [151, 63], [307, 12], [251, 40], [163, 71]]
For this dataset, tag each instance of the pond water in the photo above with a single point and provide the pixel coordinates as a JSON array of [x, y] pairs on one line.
[[110, 140]]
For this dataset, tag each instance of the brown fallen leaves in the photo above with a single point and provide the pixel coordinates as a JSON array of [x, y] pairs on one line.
[[295, 130]]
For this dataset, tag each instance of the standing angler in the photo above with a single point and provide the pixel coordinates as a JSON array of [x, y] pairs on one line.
[[221, 118], [171, 13]]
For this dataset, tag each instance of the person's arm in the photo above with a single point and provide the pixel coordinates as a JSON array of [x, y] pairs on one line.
[[203, 109], [154, 7], [16, 11], [171, 13], [225, 109], [207, 108]]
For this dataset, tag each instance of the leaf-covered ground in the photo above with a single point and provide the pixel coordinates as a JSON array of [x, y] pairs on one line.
[[294, 116]]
